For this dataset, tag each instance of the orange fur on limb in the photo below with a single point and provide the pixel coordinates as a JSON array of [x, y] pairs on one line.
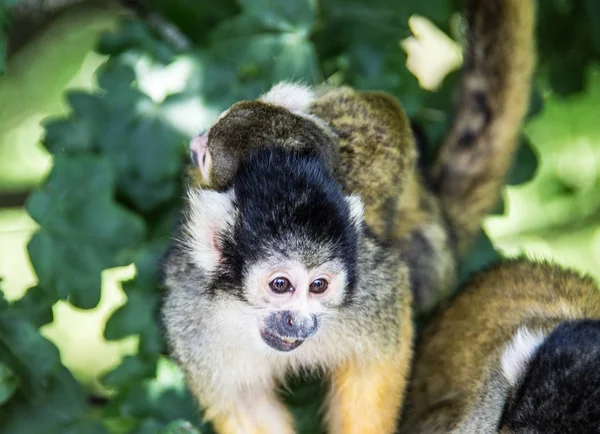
[[366, 396]]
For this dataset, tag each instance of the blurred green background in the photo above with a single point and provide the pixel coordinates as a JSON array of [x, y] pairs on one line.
[[176, 65]]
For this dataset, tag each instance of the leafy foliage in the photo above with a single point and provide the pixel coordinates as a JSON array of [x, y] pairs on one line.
[[5, 6], [114, 191], [571, 41], [38, 393]]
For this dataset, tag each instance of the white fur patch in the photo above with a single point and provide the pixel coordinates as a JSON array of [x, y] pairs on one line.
[[297, 98], [356, 208], [210, 214], [518, 353], [263, 412]]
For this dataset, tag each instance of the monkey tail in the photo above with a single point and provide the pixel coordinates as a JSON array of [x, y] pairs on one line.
[[495, 88]]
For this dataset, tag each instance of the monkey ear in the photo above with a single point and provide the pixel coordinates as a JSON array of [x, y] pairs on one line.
[[518, 353], [355, 204], [292, 96], [210, 215]]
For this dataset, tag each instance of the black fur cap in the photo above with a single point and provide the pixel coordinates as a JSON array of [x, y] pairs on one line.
[[288, 202]]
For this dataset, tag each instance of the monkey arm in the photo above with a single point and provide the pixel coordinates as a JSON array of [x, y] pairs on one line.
[[366, 395], [259, 412]]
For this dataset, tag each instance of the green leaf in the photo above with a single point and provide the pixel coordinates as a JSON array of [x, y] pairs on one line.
[[137, 316], [35, 306], [219, 83], [82, 230], [147, 157], [132, 132], [117, 77], [359, 44], [592, 11], [285, 17], [4, 304], [438, 11], [536, 104], [268, 58], [434, 118], [563, 61], [132, 369], [3, 50], [195, 18], [481, 255], [132, 35], [179, 427], [147, 426], [60, 408], [5, 6], [129, 34], [8, 383], [29, 355], [148, 257], [164, 398], [67, 136], [268, 42], [524, 164], [37, 393]]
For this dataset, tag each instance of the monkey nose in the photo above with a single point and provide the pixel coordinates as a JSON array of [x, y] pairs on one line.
[[288, 319], [298, 326]]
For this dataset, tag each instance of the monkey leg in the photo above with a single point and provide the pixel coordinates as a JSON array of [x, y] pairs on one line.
[[439, 418], [366, 396], [254, 413]]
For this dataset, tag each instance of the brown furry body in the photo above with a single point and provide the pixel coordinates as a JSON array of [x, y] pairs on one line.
[[366, 140], [460, 349]]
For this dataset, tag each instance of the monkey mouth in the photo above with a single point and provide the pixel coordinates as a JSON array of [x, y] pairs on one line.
[[280, 343]]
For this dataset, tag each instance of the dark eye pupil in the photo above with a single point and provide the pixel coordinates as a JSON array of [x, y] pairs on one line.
[[318, 286], [280, 285]]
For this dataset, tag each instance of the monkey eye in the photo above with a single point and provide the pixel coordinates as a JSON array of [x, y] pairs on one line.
[[319, 286], [281, 285]]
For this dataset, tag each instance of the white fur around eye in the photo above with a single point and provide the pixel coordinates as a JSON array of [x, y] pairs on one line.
[[518, 353], [295, 97], [210, 214]]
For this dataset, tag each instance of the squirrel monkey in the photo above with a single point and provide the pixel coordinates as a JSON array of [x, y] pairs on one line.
[[366, 140], [263, 228], [518, 351], [279, 274]]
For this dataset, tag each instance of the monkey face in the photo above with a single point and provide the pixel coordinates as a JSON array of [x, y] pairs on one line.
[[282, 243], [291, 299]]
